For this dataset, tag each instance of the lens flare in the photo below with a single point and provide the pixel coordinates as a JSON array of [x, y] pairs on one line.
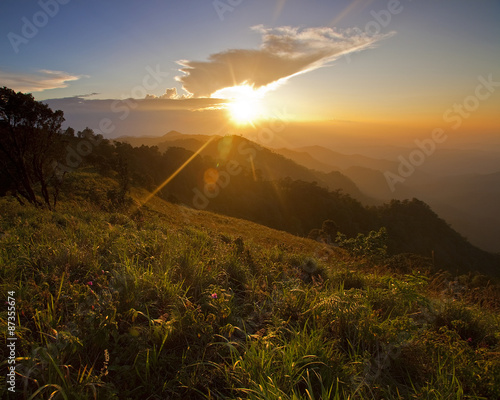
[[245, 106]]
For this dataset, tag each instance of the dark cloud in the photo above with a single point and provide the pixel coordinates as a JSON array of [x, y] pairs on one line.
[[284, 53], [88, 94]]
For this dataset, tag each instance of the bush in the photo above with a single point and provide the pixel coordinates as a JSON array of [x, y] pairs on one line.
[[372, 246]]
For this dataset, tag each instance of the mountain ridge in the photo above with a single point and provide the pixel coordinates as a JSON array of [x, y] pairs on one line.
[[367, 184]]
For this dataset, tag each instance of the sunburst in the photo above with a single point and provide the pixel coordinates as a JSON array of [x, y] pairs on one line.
[[245, 105]]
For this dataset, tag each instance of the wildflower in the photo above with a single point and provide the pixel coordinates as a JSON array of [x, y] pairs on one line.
[[104, 369], [214, 295], [90, 283], [469, 340]]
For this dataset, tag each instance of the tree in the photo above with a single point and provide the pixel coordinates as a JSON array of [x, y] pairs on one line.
[[30, 141], [372, 246]]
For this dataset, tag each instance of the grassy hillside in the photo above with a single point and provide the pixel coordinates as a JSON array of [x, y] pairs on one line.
[[255, 184], [165, 302], [238, 178]]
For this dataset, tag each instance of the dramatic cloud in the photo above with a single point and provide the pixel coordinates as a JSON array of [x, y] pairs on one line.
[[284, 53], [37, 82]]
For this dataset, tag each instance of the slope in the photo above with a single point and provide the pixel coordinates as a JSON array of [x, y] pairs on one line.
[[153, 303]]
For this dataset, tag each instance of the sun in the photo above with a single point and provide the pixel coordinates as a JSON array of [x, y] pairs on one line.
[[244, 111], [245, 103]]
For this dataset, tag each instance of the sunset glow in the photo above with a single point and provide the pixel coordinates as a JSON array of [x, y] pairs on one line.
[[196, 194], [245, 103], [244, 110]]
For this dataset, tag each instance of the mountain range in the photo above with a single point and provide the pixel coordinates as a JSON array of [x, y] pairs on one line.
[[468, 201]]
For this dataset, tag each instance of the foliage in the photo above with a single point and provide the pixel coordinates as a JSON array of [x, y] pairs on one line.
[[372, 246], [31, 141], [142, 306]]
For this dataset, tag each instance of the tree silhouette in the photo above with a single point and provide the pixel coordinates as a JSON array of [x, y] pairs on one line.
[[30, 140]]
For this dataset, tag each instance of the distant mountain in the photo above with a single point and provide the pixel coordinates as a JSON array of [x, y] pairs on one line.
[[467, 201], [272, 166], [366, 172], [306, 159], [373, 183], [343, 161], [186, 143], [470, 203], [268, 164], [449, 162]]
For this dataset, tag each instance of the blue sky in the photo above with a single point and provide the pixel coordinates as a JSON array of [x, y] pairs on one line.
[[427, 57]]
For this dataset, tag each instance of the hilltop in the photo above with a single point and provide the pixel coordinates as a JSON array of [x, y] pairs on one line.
[[271, 165]]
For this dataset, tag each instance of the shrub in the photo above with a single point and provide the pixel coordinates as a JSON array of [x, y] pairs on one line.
[[372, 246]]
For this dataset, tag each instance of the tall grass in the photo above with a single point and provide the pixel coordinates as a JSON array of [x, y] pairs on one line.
[[136, 307]]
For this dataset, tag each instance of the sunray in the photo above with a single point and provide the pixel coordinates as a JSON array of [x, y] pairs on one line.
[[166, 181], [279, 8]]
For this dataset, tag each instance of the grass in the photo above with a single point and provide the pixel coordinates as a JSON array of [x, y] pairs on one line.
[[173, 303]]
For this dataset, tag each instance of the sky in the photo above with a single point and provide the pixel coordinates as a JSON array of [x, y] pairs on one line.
[[393, 68]]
